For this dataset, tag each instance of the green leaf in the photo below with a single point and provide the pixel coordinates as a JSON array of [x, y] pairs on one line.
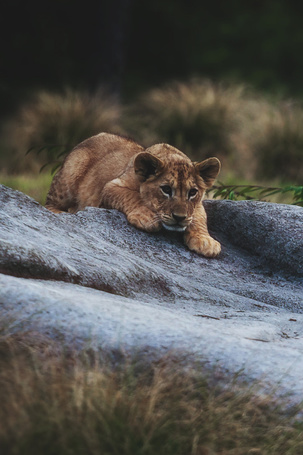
[[235, 192]]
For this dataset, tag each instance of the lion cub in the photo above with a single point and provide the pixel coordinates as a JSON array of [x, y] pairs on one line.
[[158, 187]]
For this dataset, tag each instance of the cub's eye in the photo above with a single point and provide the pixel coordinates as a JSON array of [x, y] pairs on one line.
[[192, 192], [166, 189]]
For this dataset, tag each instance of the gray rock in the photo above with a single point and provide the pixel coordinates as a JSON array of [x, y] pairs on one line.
[[93, 277], [273, 232]]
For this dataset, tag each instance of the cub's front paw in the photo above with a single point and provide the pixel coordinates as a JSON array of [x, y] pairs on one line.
[[205, 245], [145, 220]]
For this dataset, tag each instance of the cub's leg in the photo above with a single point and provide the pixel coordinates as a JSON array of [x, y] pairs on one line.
[[116, 195], [197, 238]]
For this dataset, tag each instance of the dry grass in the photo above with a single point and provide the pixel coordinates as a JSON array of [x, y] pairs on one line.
[[279, 145], [56, 122], [62, 402], [256, 138], [196, 117]]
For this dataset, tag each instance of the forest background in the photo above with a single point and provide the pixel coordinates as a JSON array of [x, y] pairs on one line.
[[219, 78]]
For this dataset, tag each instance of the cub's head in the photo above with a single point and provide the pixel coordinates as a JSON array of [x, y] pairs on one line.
[[172, 186]]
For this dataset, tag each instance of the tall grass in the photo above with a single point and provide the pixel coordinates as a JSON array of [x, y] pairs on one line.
[[56, 401], [51, 124], [256, 138], [196, 117], [279, 146]]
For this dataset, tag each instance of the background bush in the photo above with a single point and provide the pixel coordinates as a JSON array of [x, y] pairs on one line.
[[279, 146], [255, 137], [55, 400], [51, 124], [196, 117]]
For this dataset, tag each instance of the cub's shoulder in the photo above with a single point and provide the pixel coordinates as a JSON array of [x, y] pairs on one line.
[[110, 142]]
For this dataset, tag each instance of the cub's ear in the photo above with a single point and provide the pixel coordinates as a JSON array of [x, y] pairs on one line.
[[209, 170], [147, 165]]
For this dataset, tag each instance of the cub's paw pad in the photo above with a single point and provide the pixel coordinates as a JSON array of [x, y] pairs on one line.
[[207, 246]]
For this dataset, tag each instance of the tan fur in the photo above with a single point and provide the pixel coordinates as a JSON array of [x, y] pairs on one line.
[[154, 187]]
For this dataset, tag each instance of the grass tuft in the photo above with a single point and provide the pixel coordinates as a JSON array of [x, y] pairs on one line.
[[279, 145], [253, 136], [195, 117], [51, 124], [65, 402], [257, 139]]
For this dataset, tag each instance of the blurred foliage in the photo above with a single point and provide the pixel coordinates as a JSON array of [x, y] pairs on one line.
[[279, 145], [51, 124], [259, 42], [145, 43], [255, 138], [196, 117], [34, 185]]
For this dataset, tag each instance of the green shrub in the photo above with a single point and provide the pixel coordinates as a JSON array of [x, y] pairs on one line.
[[288, 194]]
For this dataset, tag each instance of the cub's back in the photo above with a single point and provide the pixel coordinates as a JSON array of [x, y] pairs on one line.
[[87, 168], [106, 155]]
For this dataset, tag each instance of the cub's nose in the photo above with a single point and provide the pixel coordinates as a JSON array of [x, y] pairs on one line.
[[178, 218]]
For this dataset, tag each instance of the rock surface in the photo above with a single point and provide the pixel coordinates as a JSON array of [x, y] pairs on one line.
[[91, 277]]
